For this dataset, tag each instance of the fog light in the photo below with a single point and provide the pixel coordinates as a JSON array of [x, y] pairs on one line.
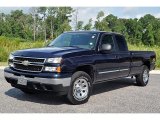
[[51, 69], [11, 64]]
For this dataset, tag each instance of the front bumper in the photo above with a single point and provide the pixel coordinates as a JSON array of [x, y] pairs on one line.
[[38, 82]]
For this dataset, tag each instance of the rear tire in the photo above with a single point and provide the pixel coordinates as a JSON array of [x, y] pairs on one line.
[[80, 89], [143, 78]]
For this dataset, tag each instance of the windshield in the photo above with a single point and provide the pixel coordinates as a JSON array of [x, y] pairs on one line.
[[81, 40]]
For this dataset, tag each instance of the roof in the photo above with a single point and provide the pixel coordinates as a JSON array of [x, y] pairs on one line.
[[87, 31]]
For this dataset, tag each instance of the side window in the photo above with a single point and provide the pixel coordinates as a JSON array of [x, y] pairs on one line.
[[108, 39], [121, 43]]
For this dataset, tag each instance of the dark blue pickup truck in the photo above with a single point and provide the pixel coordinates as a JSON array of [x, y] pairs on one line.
[[72, 63]]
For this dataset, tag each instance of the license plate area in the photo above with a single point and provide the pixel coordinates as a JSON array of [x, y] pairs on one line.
[[22, 81]]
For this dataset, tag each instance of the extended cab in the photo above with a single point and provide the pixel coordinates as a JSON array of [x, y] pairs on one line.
[[72, 63]]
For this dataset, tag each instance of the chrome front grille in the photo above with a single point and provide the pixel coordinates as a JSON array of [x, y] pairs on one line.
[[32, 60], [28, 64]]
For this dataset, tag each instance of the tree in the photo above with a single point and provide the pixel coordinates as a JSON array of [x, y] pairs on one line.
[[64, 15], [148, 38], [100, 24], [100, 15], [80, 25], [52, 14], [111, 21], [43, 11], [134, 30], [88, 26], [157, 37], [34, 13], [147, 19], [75, 19], [49, 22]]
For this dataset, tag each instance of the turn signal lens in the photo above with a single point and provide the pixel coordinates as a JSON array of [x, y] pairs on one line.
[[58, 69]]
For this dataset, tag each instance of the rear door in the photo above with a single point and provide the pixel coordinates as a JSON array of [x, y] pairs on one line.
[[123, 55]]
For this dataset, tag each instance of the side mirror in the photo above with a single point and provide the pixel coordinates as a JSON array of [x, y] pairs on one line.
[[106, 47]]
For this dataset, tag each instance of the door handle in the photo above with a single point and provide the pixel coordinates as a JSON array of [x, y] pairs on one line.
[[116, 56]]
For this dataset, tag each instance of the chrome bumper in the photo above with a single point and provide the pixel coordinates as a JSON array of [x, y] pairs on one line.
[[53, 81]]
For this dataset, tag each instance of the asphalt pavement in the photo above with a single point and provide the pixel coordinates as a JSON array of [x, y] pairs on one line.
[[119, 96]]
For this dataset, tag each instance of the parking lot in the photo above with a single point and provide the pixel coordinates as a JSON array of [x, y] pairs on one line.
[[120, 96]]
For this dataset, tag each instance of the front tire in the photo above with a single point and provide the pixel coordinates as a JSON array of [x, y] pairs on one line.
[[80, 89], [143, 78]]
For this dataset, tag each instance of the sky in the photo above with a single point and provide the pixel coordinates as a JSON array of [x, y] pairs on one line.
[[85, 13], [121, 12]]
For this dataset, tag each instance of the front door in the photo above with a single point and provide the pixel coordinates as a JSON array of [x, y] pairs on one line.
[[107, 63]]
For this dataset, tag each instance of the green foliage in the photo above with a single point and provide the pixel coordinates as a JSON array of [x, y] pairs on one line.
[[148, 37], [8, 45], [79, 25], [100, 25], [145, 30], [88, 26], [142, 47], [40, 23]]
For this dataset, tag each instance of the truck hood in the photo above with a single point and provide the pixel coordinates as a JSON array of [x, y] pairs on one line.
[[48, 52]]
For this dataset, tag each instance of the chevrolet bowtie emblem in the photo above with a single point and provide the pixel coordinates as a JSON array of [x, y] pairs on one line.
[[25, 63]]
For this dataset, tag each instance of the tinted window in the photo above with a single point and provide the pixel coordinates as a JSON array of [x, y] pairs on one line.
[[108, 39], [81, 40], [121, 43]]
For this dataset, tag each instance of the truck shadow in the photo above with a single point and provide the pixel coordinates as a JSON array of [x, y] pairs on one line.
[[113, 85], [42, 98], [50, 99]]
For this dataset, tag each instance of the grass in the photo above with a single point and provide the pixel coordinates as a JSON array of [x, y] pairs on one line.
[[8, 45], [147, 48], [3, 64]]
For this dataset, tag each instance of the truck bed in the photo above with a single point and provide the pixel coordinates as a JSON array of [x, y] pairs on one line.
[[145, 54]]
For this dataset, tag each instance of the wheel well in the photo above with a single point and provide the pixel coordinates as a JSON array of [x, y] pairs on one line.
[[147, 63], [88, 69]]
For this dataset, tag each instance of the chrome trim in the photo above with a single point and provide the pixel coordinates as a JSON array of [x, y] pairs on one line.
[[29, 57], [54, 81], [112, 71], [80, 89], [123, 69], [41, 64], [30, 63], [108, 71], [29, 70]]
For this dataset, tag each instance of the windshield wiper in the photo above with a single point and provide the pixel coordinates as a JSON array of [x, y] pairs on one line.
[[63, 46], [71, 46]]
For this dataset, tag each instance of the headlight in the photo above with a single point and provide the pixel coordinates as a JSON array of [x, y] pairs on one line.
[[10, 60], [54, 60], [52, 69], [11, 57]]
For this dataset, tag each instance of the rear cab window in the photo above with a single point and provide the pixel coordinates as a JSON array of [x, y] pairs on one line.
[[121, 43]]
